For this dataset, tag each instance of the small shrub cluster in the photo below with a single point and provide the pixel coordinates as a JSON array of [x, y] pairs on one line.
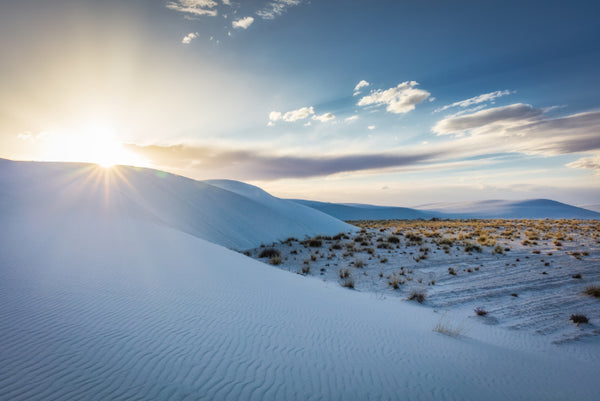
[[269, 253]]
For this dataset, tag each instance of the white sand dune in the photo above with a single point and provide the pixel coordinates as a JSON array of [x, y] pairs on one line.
[[233, 219], [103, 301]]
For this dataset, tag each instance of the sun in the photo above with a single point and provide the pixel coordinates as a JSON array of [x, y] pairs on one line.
[[93, 144]]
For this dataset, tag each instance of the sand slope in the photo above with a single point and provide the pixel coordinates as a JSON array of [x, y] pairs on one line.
[[121, 308]]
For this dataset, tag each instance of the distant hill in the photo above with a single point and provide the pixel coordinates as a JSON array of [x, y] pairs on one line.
[[489, 209], [366, 212]]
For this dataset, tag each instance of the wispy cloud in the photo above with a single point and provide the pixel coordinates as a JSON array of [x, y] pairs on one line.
[[523, 128], [506, 115], [588, 163], [486, 97], [207, 162], [276, 8], [243, 23], [189, 37], [399, 99], [351, 118], [194, 7]]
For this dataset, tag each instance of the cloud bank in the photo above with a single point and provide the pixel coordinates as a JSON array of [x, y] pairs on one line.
[[250, 165]]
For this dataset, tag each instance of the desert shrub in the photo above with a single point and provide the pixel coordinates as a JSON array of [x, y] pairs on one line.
[[340, 236], [393, 240], [383, 260], [470, 247], [578, 275], [359, 239], [306, 269], [410, 237], [275, 260], [384, 245], [314, 242], [335, 246], [498, 250], [451, 271], [577, 319], [344, 273], [417, 294], [359, 263], [593, 290], [269, 253], [479, 311]]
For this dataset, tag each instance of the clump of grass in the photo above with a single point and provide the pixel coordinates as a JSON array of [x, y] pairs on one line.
[[358, 263], [451, 271], [269, 253], [417, 294], [578, 319], [479, 311], [395, 281], [275, 260], [445, 328], [593, 290], [306, 269], [344, 273], [498, 250], [348, 282], [578, 275], [470, 247]]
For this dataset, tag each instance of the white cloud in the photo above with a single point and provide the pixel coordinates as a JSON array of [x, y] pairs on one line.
[[243, 23], [276, 7], [189, 37], [351, 118], [371, 127], [226, 2], [486, 97], [399, 99], [294, 115], [324, 117], [194, 7], [308, 124], [359, 86]]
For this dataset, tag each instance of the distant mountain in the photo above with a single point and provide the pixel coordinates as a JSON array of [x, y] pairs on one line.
[[594, 208], [354, 211], [503, 209]]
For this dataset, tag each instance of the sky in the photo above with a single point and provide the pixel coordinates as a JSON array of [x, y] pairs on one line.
[[383, 102]]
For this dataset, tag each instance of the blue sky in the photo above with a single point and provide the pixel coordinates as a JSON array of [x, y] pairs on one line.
[[460, 100]]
